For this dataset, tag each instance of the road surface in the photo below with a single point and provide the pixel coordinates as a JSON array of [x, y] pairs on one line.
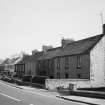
[[14, 96]]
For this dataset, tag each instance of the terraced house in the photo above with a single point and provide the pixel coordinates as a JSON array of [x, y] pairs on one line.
[[80, 63], [46, 63], [28, 65]]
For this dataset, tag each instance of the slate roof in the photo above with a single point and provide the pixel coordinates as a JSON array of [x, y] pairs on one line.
[[11, 61], [6, 61], [32, 58], [50, 53], [74, 48], [81, 46]]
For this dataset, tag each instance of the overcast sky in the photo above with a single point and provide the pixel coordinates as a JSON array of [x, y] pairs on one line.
[[26, 25]]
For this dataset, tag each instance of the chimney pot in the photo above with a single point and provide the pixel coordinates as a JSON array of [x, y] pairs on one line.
[[103, 28]]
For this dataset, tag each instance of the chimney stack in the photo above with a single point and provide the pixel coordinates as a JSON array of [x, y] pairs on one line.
[[103, 28], [65, 42], [46, 48]]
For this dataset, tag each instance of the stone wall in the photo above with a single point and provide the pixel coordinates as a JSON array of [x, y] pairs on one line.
[[30, 67], [73, 71], [64, 83]]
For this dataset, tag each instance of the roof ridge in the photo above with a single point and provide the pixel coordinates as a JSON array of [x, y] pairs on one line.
[[54, 48], [92, 37]]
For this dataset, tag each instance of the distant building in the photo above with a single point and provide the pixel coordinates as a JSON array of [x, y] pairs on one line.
[[1, 68], [31, 64], [46, 64], [9, 65], [27, 65]]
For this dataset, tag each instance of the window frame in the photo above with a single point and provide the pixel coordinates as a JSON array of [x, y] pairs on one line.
[[66, 63], [58, 63], [79, 62], [66, 75], [58, 75]]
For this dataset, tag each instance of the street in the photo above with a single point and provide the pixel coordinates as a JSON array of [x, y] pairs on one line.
[[14, 96]]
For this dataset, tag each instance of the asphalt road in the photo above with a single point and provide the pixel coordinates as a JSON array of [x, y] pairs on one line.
[[14, 96]]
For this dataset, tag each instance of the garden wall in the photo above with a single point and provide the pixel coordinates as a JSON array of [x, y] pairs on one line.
[[65, 83]]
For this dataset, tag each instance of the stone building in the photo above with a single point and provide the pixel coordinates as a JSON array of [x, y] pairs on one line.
[[81, 63], [46, 62], [28, 65]]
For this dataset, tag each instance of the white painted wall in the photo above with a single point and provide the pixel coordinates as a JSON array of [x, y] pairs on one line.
[[78, 83], [97, 64]]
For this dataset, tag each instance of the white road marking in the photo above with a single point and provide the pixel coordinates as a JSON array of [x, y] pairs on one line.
[[10, 97], [9, 85]]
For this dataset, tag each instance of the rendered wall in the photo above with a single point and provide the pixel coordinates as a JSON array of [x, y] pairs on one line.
[[54, 83], [97, 64]]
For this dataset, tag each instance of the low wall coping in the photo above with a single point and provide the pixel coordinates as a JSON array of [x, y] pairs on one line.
[[69, 79]]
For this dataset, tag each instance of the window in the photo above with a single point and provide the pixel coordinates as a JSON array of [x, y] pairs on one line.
[[29, 72], [79, 75], [39, 65], [23, 71], [79, 62], [15, 68], [66, 63], [58, 63], [49, 64], [23, 68], [58, 75], [66, 75]]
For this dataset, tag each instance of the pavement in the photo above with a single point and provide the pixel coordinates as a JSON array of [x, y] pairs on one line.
[[90, 101], [86, 100]]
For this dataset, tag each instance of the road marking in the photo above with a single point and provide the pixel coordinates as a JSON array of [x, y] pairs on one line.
[[10, 97], [46, 95], [7, 84]]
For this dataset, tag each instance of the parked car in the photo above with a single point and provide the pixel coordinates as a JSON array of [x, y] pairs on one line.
[[3, 77], [7, 79]]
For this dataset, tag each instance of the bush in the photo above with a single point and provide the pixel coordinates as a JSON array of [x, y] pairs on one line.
[[39, 79], [27, 78], [18, 82]]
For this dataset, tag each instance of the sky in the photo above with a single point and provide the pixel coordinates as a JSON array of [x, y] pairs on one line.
[[26, 25]]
